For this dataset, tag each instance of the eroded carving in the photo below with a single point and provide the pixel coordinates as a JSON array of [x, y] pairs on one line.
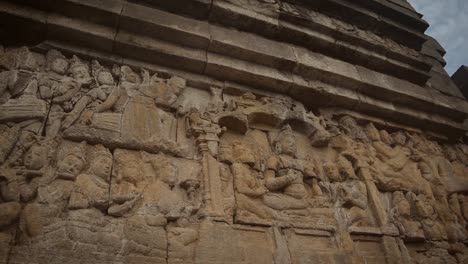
[[107, 159]]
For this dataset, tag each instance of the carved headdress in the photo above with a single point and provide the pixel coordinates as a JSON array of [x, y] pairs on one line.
[[285, 133], [372, 132], [53, 55], [26, 60], [96, 68], [78, 151], [77, 62], [101, 151], [398, 197], [128, 75]]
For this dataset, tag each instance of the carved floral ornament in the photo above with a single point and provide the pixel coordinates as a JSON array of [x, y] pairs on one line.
[[111, 157]]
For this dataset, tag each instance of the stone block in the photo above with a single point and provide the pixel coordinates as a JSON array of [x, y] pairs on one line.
[[164, 26]]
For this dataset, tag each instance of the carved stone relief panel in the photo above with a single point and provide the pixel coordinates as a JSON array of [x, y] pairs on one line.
[[116, 164]]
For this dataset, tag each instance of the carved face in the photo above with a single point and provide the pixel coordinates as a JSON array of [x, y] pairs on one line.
[[348, 122], [177, 84], [386, 138], [404, 208], [331, 171], [35, 158], [71, 166], [425, 209], [60, 66], [243, 154], [399, 138], [288, 145], [105, 77], [102, 166], [130, 172], [450, 153], [81, 74], [372, 133]]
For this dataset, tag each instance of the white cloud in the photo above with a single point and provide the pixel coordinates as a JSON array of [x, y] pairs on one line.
[[448, 21]]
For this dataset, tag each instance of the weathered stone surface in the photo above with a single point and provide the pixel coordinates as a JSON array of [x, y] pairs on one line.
[[243, 145]]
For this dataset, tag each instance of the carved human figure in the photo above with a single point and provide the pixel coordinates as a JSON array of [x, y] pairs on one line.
[[137, 101], [161, 192], [248, 181], [395, 164], [23, 166], [92, 188], [352, 195], [193, 200], [284, 175], [227, 187], [34, 162], [246, 100], [352, 129], [20, 80], [320, 136], [401, 216], [50, 85], [58, 87], [72, 163], [57, 189], [126, 185], [101, 88], [80, 71], [216, 104], [427, 214]]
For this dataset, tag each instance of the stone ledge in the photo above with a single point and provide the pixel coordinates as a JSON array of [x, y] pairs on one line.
[[396, 12], [185, 31], [370, 20]]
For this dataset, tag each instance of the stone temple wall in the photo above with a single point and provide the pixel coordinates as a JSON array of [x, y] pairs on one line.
[[228, 131]]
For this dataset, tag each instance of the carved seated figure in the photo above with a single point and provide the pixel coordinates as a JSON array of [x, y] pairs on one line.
[[161, 191], [429, 218], [284, 176], [397, 166], [56, 68], [71, 162], [248, 181], [92, 188], [400, 215], [353, 196], [125, 189], [34, 162]]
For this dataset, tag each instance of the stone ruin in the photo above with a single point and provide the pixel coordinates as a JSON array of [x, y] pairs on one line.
[[228, 131]]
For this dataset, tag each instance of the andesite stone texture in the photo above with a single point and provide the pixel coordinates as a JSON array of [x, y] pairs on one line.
[[228, 131]]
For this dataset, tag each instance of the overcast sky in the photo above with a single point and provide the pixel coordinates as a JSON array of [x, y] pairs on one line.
[[448, 20]]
